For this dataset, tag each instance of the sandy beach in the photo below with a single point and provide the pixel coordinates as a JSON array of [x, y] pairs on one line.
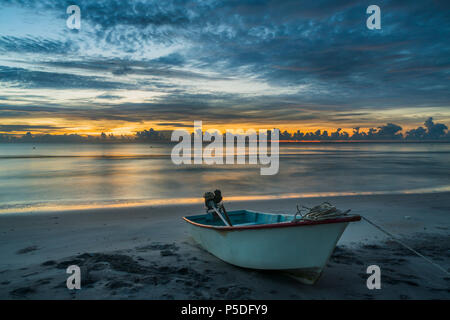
[[147, 253]]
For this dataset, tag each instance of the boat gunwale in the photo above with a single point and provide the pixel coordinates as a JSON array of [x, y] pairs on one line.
[[299, 223]]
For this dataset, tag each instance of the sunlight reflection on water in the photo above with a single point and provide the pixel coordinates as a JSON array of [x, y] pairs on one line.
[[81, 176]]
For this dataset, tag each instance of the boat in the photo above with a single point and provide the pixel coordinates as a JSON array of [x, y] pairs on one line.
[[300, 247]]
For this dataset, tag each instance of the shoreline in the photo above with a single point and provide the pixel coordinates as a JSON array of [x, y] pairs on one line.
[[64, 206], [147, 253]]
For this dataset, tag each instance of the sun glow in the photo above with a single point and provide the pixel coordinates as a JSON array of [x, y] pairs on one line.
[[118, 128]]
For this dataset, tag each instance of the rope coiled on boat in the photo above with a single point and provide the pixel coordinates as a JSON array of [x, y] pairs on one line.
[[321, 212]]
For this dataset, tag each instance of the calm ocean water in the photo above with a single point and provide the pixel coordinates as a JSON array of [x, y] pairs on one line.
[[58, 176]]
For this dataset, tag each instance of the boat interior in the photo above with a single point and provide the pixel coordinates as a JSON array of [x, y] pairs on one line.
[[241, 218]]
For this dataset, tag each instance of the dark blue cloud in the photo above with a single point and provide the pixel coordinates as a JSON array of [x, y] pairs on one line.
[[108, 97], [23, 78], [13, 128], [161, 67], [35, 45]]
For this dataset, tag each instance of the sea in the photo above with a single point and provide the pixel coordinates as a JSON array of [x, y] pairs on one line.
[[55, 177]]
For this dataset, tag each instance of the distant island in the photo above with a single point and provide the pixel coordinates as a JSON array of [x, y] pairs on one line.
[[431, 131]]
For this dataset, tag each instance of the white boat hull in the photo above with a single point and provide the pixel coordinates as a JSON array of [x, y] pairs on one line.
[[301, 249], [281, 248]]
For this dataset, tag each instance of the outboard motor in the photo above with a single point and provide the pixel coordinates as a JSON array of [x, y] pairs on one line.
[[209, 200], [213, 199], [213, 202], [217, 196]]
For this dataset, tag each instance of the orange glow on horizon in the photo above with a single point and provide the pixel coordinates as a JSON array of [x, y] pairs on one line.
[[131, 131], [42, 126]]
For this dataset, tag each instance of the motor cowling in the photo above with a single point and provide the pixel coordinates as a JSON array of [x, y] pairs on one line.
[[209, 200], [213, 199], [217, 196]]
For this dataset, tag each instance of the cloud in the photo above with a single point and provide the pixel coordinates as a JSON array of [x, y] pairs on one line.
[[389, 131], [160, 68], [174, 124], [435, 130], [109, 97], [20, 128], [35, 45], [301, 60], [23, 78]]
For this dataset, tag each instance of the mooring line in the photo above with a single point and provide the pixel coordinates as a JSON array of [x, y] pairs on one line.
[[406, 246]]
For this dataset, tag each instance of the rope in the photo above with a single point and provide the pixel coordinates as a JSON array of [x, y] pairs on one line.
[[321, 212], [406, 246], [326, 211]]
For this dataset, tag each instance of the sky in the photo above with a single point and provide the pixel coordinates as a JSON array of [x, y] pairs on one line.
[[245, 64]]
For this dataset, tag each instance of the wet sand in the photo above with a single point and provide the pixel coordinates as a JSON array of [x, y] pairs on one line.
[[147, 253]]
